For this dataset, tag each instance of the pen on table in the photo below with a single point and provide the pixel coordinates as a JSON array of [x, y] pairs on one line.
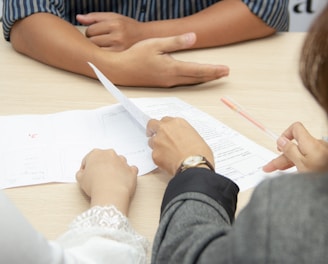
[[234, 106]]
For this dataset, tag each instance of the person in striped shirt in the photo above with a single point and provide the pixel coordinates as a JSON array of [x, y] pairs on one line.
[[144, 32]]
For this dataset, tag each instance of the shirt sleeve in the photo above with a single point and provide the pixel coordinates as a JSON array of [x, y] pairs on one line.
[[272, 12], [97, 235], [104, 233], [19, 241], [198, 208], [14, 10]]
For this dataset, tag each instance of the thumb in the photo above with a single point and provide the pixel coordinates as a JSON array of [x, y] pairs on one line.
[[179, 42], [86, 20]]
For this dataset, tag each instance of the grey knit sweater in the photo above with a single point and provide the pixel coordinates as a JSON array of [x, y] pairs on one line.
[[286, 221]]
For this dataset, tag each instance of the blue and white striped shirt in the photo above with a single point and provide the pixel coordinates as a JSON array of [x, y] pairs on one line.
[[273, 12]]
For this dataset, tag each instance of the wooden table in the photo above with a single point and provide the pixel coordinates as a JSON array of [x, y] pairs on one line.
[[263, 78]]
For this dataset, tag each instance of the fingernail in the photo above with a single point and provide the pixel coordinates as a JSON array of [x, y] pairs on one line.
[[225, 71], [282, 141], [190, 38]]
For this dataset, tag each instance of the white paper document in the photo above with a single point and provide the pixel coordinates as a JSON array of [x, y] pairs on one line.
[[38, 149], [137, 114]]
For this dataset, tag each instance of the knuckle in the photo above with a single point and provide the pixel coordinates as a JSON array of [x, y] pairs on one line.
[[95, 150]]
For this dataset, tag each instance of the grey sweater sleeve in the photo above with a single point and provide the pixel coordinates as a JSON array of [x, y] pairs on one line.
[[284, 222], [197, 218], [198, 208]]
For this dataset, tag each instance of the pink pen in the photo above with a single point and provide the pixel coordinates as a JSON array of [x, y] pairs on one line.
[[234, 106]]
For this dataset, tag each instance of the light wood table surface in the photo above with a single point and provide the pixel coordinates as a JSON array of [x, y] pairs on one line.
[[263, 78]]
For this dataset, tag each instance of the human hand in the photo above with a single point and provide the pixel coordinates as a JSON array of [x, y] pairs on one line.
[[308, 154], [107, 179], [148, 63], [111, 30], [173, 140]]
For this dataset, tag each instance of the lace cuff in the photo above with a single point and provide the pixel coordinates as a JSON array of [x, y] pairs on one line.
[[106, 222], [98, 216]]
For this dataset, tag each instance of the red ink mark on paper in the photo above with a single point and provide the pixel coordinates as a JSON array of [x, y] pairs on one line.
[[33, 135]]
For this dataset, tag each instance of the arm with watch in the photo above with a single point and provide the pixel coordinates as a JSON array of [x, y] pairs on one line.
[[198, 205]]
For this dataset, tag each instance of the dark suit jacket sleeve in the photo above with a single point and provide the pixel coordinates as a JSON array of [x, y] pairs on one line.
[[198, 207]]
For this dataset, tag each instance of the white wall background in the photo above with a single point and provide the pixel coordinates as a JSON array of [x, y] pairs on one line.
[[302, 12]]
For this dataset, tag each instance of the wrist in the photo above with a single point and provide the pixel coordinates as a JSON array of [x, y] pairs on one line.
[[119, 197], [195, 161], [165, 28], [111, 64], [148, 30]]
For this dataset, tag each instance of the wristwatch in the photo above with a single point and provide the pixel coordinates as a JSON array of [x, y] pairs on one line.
[[194, 161]]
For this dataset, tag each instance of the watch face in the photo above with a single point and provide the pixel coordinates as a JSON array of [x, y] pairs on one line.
[[193, 160]]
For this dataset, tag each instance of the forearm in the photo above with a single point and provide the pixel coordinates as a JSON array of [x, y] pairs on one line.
[[223, 23], [53, 41], [192, 219], [187, 228]]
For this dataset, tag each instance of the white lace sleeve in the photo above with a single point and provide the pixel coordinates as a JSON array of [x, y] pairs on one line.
[[105, 227]]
